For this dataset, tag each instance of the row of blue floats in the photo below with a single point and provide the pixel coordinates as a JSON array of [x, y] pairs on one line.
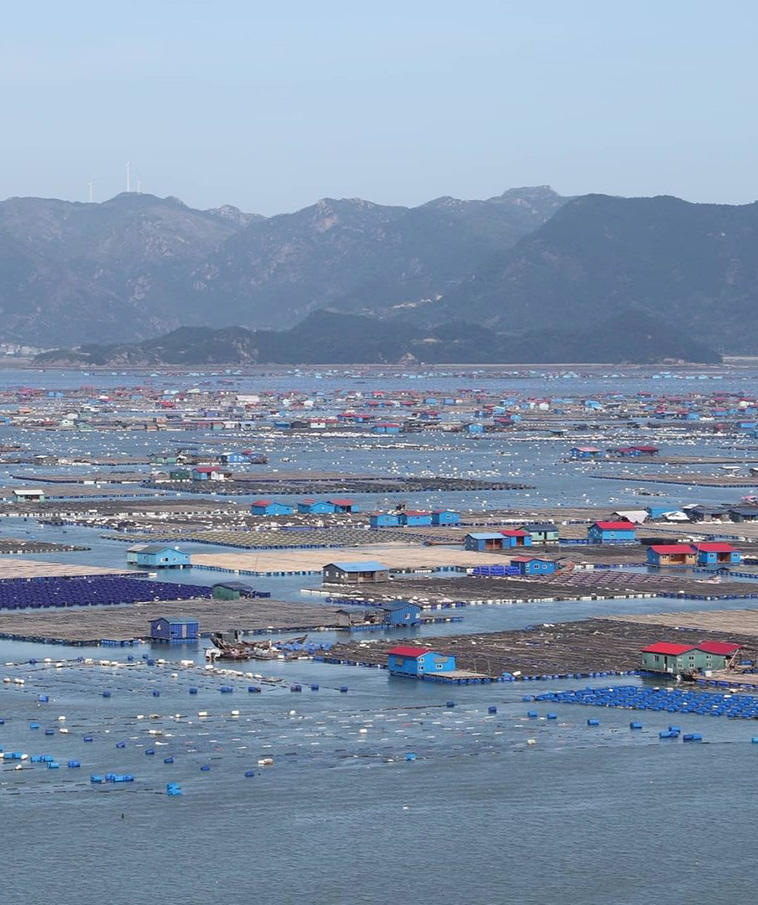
[[661, 700]]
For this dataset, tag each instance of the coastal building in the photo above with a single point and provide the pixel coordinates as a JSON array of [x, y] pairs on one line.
[[415, 518], [343, 505], [717, 554], [542, 532], [667, 657], [209, 473], [157, 556], [585, 452], [315, 507], [611, 533], [180, 474], [270, 507], [416, 662], [744, 513], [401, 612], [671, 555], [232, 590], [533, 565], [484, 541], [29, 495], [175, 628], [516, 537], [384, 520], [445, 517], [355, 573]]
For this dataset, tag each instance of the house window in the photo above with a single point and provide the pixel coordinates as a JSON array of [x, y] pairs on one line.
[[657, 658], [439, 665]]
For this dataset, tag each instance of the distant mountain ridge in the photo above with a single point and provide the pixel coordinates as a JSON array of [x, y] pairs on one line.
[[692, 266], [138, 265], [328, 337], [681, 278]]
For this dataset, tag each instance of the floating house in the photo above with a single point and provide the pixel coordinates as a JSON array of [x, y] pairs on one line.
[[29, 495], [343, 505], [717, 554], [270, 507], [355, 572], [533, 565], [416, 662], [415, 518], [744, 513], [232, 590], [315, 507], [671, 555], [401, 612], [384, 519], [445, 517], [157, 556], [386, 427], [180, 474], [209, 473], [585, 452], [611, 533], [666, 657], [483, 541], [542, 532], [176, 628], [516, 537]]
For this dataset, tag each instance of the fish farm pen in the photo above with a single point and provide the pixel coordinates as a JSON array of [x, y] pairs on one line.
[[91, 625], [600, 584], [11, 545], [315, 486], [589, 647]]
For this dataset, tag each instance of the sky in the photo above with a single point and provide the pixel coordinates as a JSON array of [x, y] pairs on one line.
[[271, 106]]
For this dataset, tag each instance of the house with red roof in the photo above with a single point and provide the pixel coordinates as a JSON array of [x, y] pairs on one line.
[[417, 662], [676, 659], [717, 554], [671, 555], [612, 533]]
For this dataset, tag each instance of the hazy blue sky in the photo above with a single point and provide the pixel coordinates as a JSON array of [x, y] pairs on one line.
[[271, 106]]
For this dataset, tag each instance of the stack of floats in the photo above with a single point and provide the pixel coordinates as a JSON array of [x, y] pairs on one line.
[[98, 590], [661, 700]]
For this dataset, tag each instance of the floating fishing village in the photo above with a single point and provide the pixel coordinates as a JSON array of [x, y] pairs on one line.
[[216, 575]]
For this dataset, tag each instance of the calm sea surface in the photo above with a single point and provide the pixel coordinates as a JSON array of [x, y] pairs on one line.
[[585, 815]]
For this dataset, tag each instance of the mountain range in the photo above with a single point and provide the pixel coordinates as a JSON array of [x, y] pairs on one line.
[[524, 276], [138, 265]]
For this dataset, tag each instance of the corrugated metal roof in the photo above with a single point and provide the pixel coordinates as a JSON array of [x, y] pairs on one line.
[[614, 526], [722, 648], [668, 648], [369, 566], [410, 651]]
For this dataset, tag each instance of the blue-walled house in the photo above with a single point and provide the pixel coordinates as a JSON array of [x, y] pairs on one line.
[[484, 541], [516, 537], [270, 507], [445, 517], [416, 662], [611, 533], [415, 518], [717, 554], [585, 452], [157, 556], [176, 628], [384, 519], [533, 565], [315, 507], [401, 612]]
